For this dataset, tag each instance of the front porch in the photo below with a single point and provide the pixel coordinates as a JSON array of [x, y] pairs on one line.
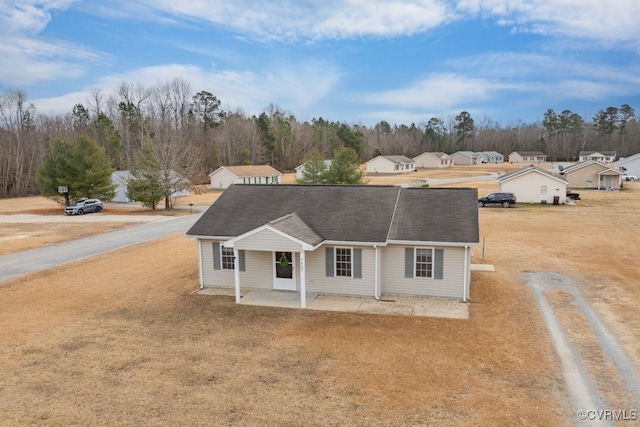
[[393, 305]]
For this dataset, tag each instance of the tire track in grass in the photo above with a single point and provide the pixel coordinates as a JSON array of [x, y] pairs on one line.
[[583, 395]]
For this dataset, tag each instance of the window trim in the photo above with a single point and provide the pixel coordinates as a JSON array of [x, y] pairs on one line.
[[223, 256], [335, 262], [415, 262]]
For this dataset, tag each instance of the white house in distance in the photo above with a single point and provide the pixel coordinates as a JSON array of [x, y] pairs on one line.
[[390, 164], [120, 180], [597, 156], [377, 239], [630, 164], [434, 159], [527, 157], [247, 174], [300, 169], [465, 158], [491, 157], [535, 185]]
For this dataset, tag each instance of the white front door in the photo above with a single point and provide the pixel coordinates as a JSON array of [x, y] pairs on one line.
[[284, 277]]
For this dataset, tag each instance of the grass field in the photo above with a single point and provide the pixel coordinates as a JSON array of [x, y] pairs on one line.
[[119, 339]]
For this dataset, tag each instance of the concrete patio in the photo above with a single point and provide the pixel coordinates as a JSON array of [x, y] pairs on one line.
[[393, 305]]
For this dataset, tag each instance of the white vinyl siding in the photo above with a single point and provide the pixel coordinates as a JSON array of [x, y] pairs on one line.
[[394, 280], [223, 178], [267, 240], [211, 277], [317, 280], [528, 188]]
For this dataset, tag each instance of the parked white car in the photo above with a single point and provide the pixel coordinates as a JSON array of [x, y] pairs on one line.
[[627, 177]]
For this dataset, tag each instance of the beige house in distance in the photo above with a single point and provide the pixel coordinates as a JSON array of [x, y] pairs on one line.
[[466, 158], [592, 174], [435, 159], [527, 157], [224, 176], [390, 164], [598, 156], [534, 185]]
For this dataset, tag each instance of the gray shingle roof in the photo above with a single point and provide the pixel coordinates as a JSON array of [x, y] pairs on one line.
[[295, 227], [399, 159], [527, 170], [348, 213], [436, 215]]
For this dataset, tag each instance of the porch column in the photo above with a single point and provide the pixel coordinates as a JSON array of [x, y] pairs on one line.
[[236, 273], [303, 285]]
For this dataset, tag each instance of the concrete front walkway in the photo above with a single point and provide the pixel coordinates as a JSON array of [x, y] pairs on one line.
[[394, 305]]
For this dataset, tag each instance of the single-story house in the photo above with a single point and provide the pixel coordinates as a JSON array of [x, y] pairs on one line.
[[390, 164], [246, 174], [534, 185], [597, 156], [592, 174], [300, 169], [491, 157], [527, 157], [466, 158], [359, 240], [120, 180], [433, 160], [630, 164]]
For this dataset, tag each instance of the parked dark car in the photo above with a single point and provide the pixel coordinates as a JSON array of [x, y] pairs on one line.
[[503, 199], [84, 206], [573, 196]]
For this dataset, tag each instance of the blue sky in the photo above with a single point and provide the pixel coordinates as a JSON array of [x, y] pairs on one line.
[[354, 61]]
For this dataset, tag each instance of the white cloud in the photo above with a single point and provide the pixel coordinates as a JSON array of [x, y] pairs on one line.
[[292, 87], [606, 21], [435, 92], [289, 20], [28, 58]]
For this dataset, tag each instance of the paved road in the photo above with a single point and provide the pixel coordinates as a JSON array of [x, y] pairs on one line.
[[15, 265], [489, 176]]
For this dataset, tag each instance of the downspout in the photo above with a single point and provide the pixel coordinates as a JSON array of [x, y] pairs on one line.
[[201, 273], [236, 273], [303, 281], [376, 285], [465, 292]]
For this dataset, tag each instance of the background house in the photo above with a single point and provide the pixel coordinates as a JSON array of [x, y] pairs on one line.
[[597, 156], [224, 176], [341, 239], [527, 157], [465, 158], [120, 180], [434, 159], [534, 185], [592, 174], [630, 164], [300, 169], [390, 164], [491, 157]]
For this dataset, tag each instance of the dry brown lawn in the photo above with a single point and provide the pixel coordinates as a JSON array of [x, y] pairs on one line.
[[133, 346]]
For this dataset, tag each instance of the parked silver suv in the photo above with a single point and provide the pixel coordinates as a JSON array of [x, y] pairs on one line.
[[84, 206]]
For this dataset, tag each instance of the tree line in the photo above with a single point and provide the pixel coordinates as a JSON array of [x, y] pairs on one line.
[[188, 132]]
